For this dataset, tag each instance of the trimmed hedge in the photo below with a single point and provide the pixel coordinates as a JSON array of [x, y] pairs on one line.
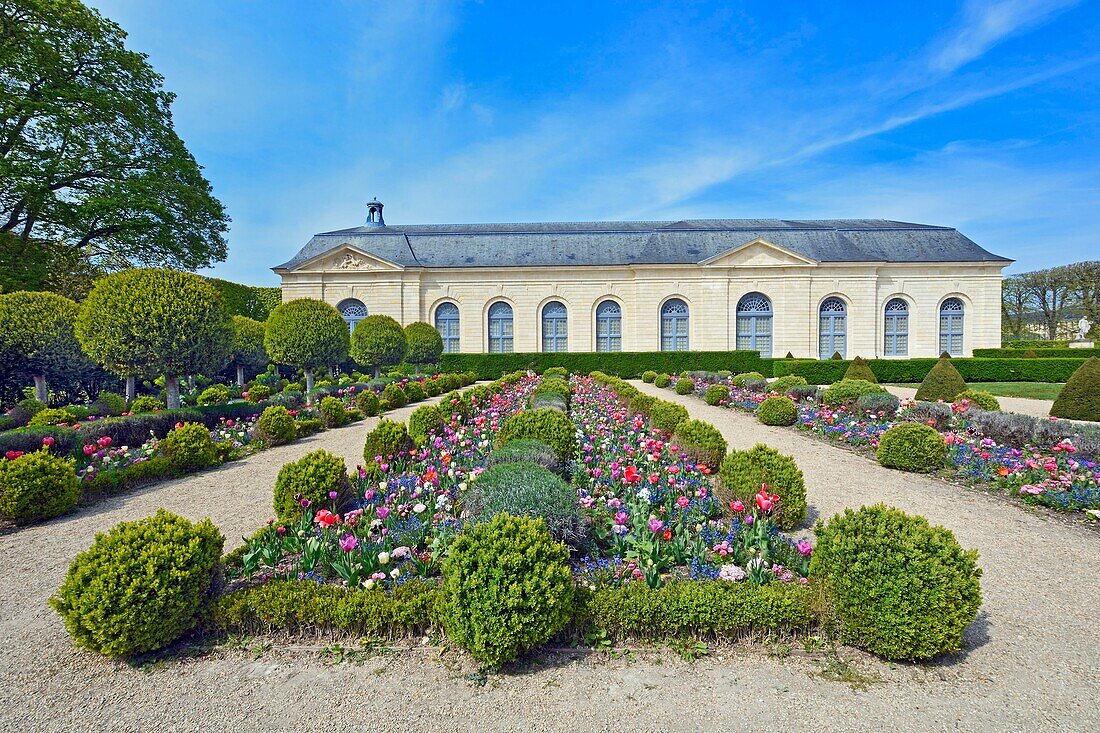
[[904, 371], [1036, 353], [625, 364], [550, 426]]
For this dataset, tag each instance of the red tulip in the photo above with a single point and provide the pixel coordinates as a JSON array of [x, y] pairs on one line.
[[48, 441], [737, 506]]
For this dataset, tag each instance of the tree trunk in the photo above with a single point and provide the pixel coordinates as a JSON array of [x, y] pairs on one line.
[[332, 371], [377, 372], [309, 385], [240, 376], [131, 388], [40, 392], [191, 382], [172, 385]]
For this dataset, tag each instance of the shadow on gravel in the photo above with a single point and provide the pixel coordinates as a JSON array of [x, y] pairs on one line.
[[976, 636]]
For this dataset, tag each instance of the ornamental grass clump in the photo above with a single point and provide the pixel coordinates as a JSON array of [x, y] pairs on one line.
[[859, 369], [142, 585], [777, 410], [716, 394], [1080, 398], [189, 447], [978, 398], [847, 391], [550, 426], [275, 426], [37, 486], [912, 447], [943, 382], [507, 589], [525, 450], [743, 472], [685, 385], [898, 587], [317, 479], [528, 490], [701, 442]]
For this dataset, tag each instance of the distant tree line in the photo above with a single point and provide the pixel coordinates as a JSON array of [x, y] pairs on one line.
[[1049, 302]]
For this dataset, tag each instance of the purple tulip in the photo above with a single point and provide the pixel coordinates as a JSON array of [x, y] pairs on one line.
[[656, 525], [348, 542], [383, 512]]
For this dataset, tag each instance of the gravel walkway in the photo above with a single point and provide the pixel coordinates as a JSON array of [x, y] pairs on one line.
[[1022, 405], [1030, 662]]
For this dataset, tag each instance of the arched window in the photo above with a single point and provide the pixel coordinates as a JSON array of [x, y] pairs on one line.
[[951, 326], [609, 326], [754, 324], [833, 328], [896, 328], [674, 325], [446, 322], [353, 311], [500, 328], [555, 324]]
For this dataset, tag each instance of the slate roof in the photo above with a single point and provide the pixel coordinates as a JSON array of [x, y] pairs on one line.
[[605, 243]]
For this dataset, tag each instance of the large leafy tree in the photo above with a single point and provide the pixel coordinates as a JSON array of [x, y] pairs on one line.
[[89, 157], [378, 341], [155, 322], [37, 338], [248, 346], [308, 334]]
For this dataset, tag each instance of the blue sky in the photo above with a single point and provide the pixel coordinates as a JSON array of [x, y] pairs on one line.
[[981, 115]]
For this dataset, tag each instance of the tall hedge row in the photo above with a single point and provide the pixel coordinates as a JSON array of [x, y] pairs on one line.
[[915, 370], [1050, 353], [624, 364]]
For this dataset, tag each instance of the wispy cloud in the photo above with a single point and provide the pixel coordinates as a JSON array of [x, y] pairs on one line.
[[986, 23]]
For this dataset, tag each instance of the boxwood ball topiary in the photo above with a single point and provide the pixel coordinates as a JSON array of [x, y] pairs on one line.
[[743, 378], [332, 412], [662, 380], [667, 416], [275, 426], [701, 442], [783, 385], [943, 382], [415, 392], [306, 334], [1080, 398], [189, 447], [685, 386], [144, 404], [388, 440], [311, 478], [368, 403], [716, 393], [507, 588], [550, 426], [911, 446], [777, 410], [423, 422], [900, 588], [743, 472], [859, 369], [847, 391], [528, 490], [394, 397], [37, 486], [377, 342], [648, 376], [142, 585]]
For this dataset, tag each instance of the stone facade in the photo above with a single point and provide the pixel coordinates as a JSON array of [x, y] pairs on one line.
[[795, 285]]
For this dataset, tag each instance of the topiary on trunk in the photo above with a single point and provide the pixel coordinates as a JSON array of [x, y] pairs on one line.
[[307, 334], [943, 382], [859, 369], [1080, 398]]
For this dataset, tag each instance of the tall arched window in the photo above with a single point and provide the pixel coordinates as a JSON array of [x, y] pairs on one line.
[[555, 325], [754, 324], [446, 322], [609, 326], [674, 325], [896, 328], [951, 326], [833, 328], [500, 328], [353, 311]]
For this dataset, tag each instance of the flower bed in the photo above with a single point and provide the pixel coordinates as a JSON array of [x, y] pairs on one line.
[[1055, 475]]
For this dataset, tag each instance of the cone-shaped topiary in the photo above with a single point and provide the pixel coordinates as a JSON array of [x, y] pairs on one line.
[[943, 382], [1080, 398], [859, 369]]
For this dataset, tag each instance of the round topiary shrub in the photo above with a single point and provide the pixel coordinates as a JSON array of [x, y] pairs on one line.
[[37, 486], [275, 426], [525, 450], [332, 412], [1080, 398], [550, 426], [685, 386], [394, 397], [257, 393], [189, 447], [777, 410], [415, 392], [847, 391], [743, 472], [52, 416], [648, 376], [943, 382], [701, 442], [507, 588], [311, 479], [109, 403], [899, 587], [215, 394], [716, 394], [142, 585], [556, 372], [553, 386], [859, 369], [388, 439], [783, 385], [144, 404], [911, 446], [667, 416], [528, 490], [432, 387], [424, 421], [743, 378], [662, 380], [30, 407], [979, 399], [368, 403]]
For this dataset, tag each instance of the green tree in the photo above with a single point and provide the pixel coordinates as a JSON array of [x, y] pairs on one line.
[[378, 341], [248, 346], [88, 153], [155, 322], [425, 345], [307, 334], [37, 337]]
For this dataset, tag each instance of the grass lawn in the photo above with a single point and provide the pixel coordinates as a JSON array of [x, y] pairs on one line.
[[1033, 390]]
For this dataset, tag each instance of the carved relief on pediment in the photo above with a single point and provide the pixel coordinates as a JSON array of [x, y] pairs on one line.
[[350, 261]]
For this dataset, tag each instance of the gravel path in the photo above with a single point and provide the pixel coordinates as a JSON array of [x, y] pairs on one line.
[[1030, 662], [1022, 405]]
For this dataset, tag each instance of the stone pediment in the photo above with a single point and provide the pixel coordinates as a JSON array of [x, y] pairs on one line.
[[758, 253], [347, 258]]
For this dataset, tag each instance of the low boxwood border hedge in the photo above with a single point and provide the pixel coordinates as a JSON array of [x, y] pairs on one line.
[[620, 363], [914, 370], [1065, 353]]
